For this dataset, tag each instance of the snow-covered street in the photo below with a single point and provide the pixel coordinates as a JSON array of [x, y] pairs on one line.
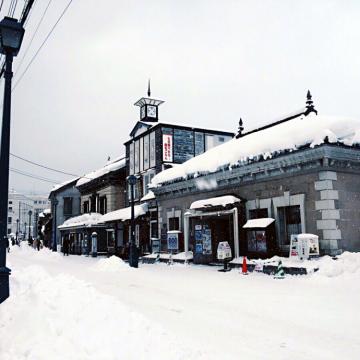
[[85, 308]]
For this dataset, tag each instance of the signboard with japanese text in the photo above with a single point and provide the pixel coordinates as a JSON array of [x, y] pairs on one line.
[[167, 148]]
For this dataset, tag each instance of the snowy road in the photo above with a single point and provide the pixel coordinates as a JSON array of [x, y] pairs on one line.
[[177, 312]]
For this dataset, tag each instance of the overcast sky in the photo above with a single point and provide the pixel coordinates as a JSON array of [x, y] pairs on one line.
[[211, 61]]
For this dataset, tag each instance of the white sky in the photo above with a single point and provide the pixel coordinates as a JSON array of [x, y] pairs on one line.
[[211, 61]]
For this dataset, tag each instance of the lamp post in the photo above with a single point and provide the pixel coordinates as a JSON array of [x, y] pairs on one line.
[[55, 202], [29, 235], [133, 258], [11, 35]]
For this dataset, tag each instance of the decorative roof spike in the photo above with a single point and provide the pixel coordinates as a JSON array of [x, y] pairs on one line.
[[149, 91], [240, 129], [309, 104]]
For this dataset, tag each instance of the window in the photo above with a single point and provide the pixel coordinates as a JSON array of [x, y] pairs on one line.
[[152, 149], [154, 232], [103, 205], [289, 223], [174, 223], [86, 207], [9, 231], [35, 202], [137, 151], [147, 180], [141, 154], [67, 206], [9, 220], [10, 202], [10, 208], [221, 139], [131, 159], [258, 213], [146, 152]]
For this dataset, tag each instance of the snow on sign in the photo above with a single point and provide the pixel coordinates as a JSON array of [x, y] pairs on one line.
[[167, 147], [223, 250]]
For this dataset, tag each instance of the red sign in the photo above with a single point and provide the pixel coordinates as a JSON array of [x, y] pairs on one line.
[[167, 148]]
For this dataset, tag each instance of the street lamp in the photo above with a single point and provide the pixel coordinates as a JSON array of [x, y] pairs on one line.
[[11, 35], [29, 235], [55, 202], [133, 258]]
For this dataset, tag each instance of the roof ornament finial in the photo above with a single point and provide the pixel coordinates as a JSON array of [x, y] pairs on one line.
[[309, 104], [240, 129], [149, 91]]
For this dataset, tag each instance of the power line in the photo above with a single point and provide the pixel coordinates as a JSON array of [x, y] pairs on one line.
[[32, 38], [43, 166], [41, 46], [20, 172], [52, 169], [1, 5]]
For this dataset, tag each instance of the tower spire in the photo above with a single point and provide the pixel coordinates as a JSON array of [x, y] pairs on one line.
[[309, 104], [149, 91], [240, 129]]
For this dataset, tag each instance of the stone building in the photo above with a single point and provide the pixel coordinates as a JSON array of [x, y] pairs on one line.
[[101, 191], [299, 175], [154, 146], [65, 203]]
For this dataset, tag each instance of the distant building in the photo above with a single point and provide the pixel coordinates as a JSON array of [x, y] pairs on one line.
[[19, 205]]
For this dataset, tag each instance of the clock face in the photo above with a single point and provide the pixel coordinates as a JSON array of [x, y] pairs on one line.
[[142, 112], [151, 111]]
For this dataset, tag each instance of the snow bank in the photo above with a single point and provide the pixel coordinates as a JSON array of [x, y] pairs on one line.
[[304, 130], [111, 264], [346, 264], [112, 165], [64, 318]]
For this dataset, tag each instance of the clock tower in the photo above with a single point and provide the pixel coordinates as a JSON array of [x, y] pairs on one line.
[[149, 107]]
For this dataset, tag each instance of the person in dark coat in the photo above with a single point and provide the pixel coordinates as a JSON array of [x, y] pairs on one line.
[[66, 246], [7, 244]]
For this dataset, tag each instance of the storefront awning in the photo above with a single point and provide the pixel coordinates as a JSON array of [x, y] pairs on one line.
[[216, 201], [258, 223], [125, 213], [84, 220]]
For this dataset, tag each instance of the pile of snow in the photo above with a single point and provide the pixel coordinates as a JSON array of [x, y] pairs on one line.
[[110, 166], [111, 264], [61, 317], [304, 130], [149, 196], [86, 220], [345, 264], [216, 201]]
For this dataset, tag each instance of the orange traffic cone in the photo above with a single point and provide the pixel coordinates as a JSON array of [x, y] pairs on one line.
[[244, 266]]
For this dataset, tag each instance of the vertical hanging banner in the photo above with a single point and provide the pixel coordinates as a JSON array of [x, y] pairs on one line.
[[167, 148]]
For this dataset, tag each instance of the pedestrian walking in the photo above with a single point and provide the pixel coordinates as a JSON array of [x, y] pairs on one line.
[[38, 244]]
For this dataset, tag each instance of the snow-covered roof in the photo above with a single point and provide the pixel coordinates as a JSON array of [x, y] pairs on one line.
[[110, 166], [149, 196], [125, 213], [290, 135], [258, 223], [47, 211], [84, 220], [216, 201], [63, 184]]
